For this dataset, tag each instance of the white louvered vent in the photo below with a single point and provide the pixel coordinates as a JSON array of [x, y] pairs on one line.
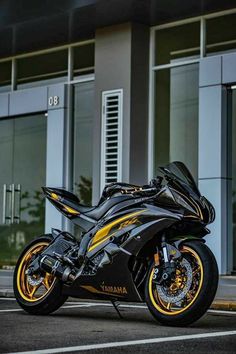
[[111, 149]]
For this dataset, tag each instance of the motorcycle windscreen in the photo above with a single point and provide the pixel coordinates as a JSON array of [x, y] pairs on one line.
[[178, 170]]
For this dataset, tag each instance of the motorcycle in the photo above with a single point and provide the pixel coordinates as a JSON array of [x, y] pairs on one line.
[[139, 244]]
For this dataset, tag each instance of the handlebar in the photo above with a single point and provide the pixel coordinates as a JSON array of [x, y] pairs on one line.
[[124, 188]]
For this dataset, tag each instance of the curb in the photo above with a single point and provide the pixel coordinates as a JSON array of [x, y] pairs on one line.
[[6, 293], [227, 305]]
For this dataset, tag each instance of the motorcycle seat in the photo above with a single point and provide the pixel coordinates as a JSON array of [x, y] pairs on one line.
[[97, 212]]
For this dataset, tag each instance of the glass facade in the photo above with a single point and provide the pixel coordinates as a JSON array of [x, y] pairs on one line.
[[83, 140], [176, 51], [22, 209], [232, 139], [176, 116]]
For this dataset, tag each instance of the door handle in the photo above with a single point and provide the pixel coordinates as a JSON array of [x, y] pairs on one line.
[[4, 204], [6, 190], [12, 188], [16, 217], [9, 203]]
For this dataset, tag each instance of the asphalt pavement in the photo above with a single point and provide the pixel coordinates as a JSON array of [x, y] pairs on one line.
[[225, 297], [95, 327], [88, 326]]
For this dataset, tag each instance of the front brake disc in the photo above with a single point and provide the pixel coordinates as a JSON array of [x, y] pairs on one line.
[[167, 295]]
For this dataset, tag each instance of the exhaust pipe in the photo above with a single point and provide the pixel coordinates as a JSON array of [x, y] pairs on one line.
[[55, 267]]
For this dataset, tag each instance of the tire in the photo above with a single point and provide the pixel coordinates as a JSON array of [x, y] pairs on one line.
[[46, 298], [201, 289]]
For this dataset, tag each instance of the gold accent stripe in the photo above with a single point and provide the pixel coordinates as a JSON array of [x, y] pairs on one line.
[[100, 236], [99, 242], [71, 210]]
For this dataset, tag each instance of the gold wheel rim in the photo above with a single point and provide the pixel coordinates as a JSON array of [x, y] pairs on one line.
[[27, 291], [166, 308]]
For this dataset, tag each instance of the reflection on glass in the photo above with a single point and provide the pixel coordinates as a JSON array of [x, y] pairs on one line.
[[5, 73], [221, 34], [177, 42], [84, 58], [83, 140], [234, 175], [41, 67], [176, 117], [23, 158]]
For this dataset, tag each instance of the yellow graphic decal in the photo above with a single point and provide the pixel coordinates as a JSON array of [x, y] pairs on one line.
[[55, 196], [95, 291], [103, 234], [129, 222], [71, 210]]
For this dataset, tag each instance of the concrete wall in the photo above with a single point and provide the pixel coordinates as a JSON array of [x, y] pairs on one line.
[[121, 62]]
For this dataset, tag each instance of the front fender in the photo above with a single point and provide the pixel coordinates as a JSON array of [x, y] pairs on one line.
[[183, 239]]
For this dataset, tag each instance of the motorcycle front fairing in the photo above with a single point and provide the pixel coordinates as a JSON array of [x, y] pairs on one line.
[[183, 190]]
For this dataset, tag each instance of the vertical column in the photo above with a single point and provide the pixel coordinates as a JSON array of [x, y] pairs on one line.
[[112, 71], [213, 177], [121, 62], [57, 113]]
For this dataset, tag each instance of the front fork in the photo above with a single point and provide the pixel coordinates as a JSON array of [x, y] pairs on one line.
[[164, 272]]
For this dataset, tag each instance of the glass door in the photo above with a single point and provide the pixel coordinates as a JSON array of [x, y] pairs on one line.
[[234, 174], [232, 170], [23, 173]]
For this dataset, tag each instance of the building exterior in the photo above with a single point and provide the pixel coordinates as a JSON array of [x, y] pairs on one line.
[[93, 92]]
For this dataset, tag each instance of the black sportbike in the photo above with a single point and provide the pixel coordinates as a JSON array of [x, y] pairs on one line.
[[139, 244]]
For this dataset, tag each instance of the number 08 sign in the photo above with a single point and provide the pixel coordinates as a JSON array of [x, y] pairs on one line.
[[53, 101]]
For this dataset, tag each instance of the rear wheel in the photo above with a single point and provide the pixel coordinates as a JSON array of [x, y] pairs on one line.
[[185, 299], [39, 294]]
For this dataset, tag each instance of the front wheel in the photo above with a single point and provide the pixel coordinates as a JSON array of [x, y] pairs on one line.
[[39, 294], [186, 298]]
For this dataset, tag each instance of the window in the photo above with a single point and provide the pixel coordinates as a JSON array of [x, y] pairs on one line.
[[84, 59], [41, 67], [221, 34], [111, 152], [177, 42], [5, 73], [176, 116]]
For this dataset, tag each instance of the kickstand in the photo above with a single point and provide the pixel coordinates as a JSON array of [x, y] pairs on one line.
[[116, 308]]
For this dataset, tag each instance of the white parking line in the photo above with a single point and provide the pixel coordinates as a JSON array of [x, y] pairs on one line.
[[108, 305], [129, 343], [222, 312], [11, 310], [73, 304]]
